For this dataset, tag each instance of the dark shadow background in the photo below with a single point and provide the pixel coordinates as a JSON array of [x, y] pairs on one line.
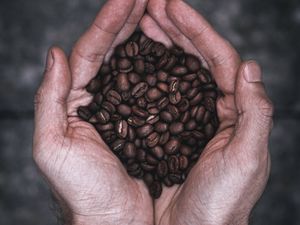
[[267, 31]]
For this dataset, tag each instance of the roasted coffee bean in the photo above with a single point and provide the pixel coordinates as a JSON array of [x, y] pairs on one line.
[[84, 113], [198, 135], [152, 139], [105, 69], [148, 178], [118, 145], [200, 114], [151, 159], [174, 86], [190, 125], [207, 117], [109, 107], [135, 121], [197, 99], [107, 88], [161, 127], [162, 169], [162, 76], [113, 63], [104, 127], [132, 166], [194, 111], [209, 104], [109, 136], [176, 128], [139, 89], [126, 95], [164, 138], [172, 146], [139, 66], [158, 49], [98, 98], [131, 49], [167, 182], [139, 112], [183, 162], [141, 102], [155, 189], [153, 110], [153, 94], [176, 50], [189, 77], [114, 97], [141, 154], [192, 93], [173, 164], [175, 178], [212, 94], [151, 80], [124, 110], [185, 150], [157, 151], [192, 63], [163, 87], [196, 83], [152, 119], [131, 134], [166, 116], [115, 117], [179, 71], [162, 103], [129, 150], [149, 68], [171, 62], [183, 105], [120, 51], [122, 128], [209, 131], [204, 76], [103, 116], [123, 82], [146, 46], [93, 107], [106, 79], [94, 86], [184, 86], [185, 117], [124, 65], [175, 98], [147, 167], [150, 58], [174, 111], [134, 78], [145, 130]]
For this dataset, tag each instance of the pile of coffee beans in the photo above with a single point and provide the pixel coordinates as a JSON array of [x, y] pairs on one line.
[[155, 108]]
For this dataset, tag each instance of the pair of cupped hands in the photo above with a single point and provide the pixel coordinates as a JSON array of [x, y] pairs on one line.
[[90, 182]]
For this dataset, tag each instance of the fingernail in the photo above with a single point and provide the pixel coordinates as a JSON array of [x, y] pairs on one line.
[[252, 72], [50, 60]]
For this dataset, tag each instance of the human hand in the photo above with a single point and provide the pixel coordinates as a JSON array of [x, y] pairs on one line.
[[233, 169], [88, 179]]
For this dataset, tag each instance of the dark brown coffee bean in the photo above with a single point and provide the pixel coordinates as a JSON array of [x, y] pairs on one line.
[[113, 63], [207, 117], [176, 128], [151, 80], [166, 116], [182, 59], [162, 76], [208, 87], [175, 98], [152, 119], [197, 99], [124, 65], [155, 189], [183, 162], [175, 178], [173, 164], [123, 82], [114, 97], [211, 94], [176, 50], [171, 62], [122, 128], [104, 127], [129, 150], [158, 49], [153, 110], [146, 46], [109, 136], [167, 182], [148, 178], [94, 86], [124, 110], [172, 146], [147, 167], [209, 131], [151, 159], [153, 94], [204, 76], [196, 83], [103, 116], [131, 134], [132, 166], [192, 93], [138, 143], [120, 51], [135, 121], [139, 89], [185, 150], [134, 78], [139, 66], [107, 88], [189, 77], [190, 125], [162, 103], [132, 49], [174, 111], [104, 69], [200, 114], [162, 169], [84, 113], [150, 58], [145, 130], [149, 68], [163, 87], [198, 135], [139, 112], [109, 107], [184, 86], [98, 98], [118, 145], [157, 151], [192, 63], [185, 117], [141, 102], [164, 138], [209, 104], [183, 105], [179, 71], [160, 127], [174, 86], [141, 154], [106, 79], [126, 95], [152, 139]]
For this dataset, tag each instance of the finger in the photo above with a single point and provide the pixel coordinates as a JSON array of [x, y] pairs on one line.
[[153, 31], [89, 51], [221, 57], [157, 10], [255, 111], [130, 25], [50, 99]]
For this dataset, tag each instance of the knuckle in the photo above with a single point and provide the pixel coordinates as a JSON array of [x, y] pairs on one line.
[[266, 107]]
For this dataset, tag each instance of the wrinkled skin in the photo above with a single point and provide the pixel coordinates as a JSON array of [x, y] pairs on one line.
[[90, 182]]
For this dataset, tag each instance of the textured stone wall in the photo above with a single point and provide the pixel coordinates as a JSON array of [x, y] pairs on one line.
[[265, 30]]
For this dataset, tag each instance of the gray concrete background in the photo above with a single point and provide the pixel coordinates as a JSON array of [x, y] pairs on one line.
[[264, 30]]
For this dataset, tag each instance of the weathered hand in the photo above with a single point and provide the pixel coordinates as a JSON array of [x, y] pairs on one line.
[[233, 170], [90, 182]]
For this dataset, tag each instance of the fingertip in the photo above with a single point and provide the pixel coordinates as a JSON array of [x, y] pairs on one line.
[[252, 72]]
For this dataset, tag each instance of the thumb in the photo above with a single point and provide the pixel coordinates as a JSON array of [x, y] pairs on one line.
[[255, 111], [50, 99]]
